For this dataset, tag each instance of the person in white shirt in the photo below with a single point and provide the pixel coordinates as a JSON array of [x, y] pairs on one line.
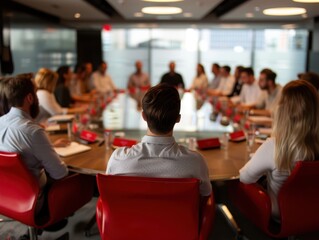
[[199, 86], [158, 154], [295, 138], [102, 81], [226, 84], [216, 80], [250, 91], [269, 97], [45, 81]]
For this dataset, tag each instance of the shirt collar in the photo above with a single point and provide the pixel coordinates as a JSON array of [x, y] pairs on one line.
[[158, 140], [19, 112]]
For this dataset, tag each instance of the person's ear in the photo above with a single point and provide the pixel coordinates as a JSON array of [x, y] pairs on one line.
[[144, 116], [30, 98], [178, 118]]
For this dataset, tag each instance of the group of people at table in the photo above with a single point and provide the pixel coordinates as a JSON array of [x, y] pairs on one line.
[[25, 102]]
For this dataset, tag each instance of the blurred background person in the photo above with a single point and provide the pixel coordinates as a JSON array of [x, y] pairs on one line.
[[62, 90], [226, 84], [45, 80], [199, 85], [102, 81], [311, 77], [269, 97], [216, 80], [173, 78], [138, 84]]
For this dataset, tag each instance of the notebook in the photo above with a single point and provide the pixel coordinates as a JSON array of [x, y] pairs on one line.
[[61, 118], [72, 149]]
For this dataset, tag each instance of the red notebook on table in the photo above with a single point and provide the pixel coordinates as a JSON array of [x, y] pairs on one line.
[[208, 143]]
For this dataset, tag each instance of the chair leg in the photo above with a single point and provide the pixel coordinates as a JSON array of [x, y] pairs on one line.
[[233, 224], [32, 233]]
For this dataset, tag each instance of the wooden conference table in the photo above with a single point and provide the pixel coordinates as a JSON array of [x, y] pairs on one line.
[[223, 164]]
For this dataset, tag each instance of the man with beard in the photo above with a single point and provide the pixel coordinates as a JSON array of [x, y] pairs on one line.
[[269, 97], [19, 133]]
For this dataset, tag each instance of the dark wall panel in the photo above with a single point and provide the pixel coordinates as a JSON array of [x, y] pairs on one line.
[[89, 46]]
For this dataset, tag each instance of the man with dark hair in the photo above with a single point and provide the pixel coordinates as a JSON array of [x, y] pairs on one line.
[[250, 91], [269, 97], [19, 133], [226, 83], [158, 155], [311, 77], [173, 78]]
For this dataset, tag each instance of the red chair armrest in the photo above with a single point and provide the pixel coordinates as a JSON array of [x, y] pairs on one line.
[[99, 215], [207, 217], [68, 195]]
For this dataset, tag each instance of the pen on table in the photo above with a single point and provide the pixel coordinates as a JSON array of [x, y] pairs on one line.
[[101, 143]]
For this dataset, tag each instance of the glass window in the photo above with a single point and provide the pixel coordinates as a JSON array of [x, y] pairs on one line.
[[43, 47], [283, 51]]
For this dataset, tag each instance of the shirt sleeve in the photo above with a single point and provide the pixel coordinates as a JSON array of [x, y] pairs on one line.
[[45, 153], [261, 101], [261, 162], [205, 186], [49, 103]]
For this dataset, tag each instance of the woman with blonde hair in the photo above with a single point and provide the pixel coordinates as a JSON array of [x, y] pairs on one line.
[[45, 81], [295, 138]]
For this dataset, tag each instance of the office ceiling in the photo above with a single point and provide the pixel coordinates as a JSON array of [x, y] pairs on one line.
[[96, 13]]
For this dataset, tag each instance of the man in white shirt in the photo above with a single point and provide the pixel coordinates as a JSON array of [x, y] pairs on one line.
[[216, 80], [158, 155], [250, 91], [226, 83], [102, 81]]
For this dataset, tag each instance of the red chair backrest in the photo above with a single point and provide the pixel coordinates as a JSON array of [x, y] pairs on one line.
[[149, 208], [298, 199], [19, 189]]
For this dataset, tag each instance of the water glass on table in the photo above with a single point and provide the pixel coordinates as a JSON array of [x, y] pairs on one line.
[[250, 134]]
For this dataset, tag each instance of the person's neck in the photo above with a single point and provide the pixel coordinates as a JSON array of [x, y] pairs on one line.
[[271, 89], [150, 133]]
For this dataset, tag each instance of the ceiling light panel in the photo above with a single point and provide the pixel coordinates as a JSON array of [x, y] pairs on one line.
[[289, 11], [159, 10]]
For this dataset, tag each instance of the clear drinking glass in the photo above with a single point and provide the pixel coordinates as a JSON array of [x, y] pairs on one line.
[[250, 134]]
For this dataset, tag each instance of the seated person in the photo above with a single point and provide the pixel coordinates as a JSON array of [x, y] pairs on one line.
[[311, 77], [158, 155], [20, 134], [45, 81], [138, 84], [102, 81], [62, 90], [269, 97], [226, 84], [200, 84], [295, 138]]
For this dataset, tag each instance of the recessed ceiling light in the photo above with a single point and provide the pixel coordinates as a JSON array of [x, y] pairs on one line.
[[307, 1], [138, 14], [187, 14], [162, 10], [289, 11], [162, 0], [77, 15]]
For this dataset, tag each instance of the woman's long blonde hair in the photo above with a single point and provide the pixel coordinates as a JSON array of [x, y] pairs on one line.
[[46, 79], [296, 125]]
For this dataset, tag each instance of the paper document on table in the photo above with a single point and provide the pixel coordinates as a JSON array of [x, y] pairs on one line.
[[61, 118], [73, 148], [52, 128]]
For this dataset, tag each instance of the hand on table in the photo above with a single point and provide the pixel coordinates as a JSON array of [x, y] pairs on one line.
[[61, 142]]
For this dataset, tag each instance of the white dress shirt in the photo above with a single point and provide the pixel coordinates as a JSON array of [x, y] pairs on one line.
[[226, 85], [160, 157], [103, 83], [250, 93]]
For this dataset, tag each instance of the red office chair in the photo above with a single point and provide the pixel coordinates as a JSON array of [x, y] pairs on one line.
[[19, 191], [152, 208], [298, 202]]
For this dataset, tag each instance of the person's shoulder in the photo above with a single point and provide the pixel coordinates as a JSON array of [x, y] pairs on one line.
[[124, 153]]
